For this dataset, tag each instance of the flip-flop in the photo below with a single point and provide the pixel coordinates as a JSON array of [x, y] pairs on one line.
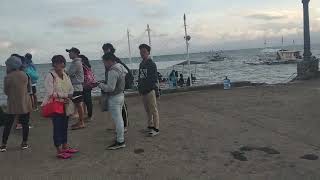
[[70, 151], [64, 155], [78, 127]]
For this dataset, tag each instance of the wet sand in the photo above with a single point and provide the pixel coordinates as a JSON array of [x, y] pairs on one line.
[[200, 131]]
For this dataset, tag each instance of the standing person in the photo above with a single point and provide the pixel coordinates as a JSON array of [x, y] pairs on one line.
[[19, 103], [22, 68], [113, 89], [76, 75], [87, 90], [147, 88], [108, 48], [31, 70], [173, 79], [58, 85]]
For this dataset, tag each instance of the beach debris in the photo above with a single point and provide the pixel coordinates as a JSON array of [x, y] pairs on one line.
[[239, 156], [311, 157], [247, 148], [139, 151], [267, 150]]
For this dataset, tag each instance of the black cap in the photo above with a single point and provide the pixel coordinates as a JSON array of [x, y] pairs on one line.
[[28, 56], [109, 46], [147, 47], [73, 49]]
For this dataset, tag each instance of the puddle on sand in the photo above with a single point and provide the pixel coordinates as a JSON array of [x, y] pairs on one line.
[[239, 156], [139, 151], [310, 157]]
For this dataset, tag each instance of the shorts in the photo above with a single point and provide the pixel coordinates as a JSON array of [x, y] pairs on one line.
[[34, 90], [78, 99]]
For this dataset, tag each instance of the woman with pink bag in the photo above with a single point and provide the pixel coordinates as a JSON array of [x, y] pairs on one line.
[[59, 88]]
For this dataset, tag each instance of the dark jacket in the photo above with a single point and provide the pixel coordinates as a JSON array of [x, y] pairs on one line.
[[148, 77]]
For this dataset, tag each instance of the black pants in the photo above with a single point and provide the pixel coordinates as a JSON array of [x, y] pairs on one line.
[[23, 120], [88, 101], [60, 130], [125, 115]]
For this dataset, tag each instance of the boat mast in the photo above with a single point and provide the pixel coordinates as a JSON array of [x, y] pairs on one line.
[[129, 46], [282, 41], [149, 36], [187, 38]]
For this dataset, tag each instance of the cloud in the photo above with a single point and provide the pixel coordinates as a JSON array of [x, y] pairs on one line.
[[149, 2], [265, 16], [5, 44], [152, 8], [154, 13], [81, 22]]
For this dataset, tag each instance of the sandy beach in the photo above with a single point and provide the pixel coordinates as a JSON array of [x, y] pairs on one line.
[[199, 132]]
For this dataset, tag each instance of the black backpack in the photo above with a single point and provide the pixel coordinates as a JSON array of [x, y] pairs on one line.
[[129, 77], [129, 80]]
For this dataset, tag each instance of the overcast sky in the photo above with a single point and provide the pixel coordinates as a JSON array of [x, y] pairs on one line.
[[48, 27]]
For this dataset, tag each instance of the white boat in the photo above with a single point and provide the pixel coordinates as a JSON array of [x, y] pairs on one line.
[[281, 56], [218, 56], [288, 56]]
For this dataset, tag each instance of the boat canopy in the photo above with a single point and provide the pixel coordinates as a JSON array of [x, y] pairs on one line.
[[162, 65]]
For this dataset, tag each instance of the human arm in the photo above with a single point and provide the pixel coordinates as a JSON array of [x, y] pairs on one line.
[[111, 82]]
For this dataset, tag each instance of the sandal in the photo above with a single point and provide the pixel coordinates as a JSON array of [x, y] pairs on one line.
[[64, 155], [70, 151]]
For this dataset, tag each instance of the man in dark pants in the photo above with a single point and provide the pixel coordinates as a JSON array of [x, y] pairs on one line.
[[108, 48]]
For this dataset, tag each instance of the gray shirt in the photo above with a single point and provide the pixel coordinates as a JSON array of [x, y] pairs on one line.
[[115, 80], [76, 75]]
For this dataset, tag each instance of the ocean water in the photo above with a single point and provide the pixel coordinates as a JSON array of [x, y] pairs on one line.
[[210, 73]]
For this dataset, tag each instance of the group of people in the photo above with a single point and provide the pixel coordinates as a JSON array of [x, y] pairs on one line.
[[175, 81], [69, 87]]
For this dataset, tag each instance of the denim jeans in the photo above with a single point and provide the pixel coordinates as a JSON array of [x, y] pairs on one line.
[[115, 108], [60, 130]]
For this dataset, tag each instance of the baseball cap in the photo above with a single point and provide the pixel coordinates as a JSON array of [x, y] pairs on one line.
[[73, 49]]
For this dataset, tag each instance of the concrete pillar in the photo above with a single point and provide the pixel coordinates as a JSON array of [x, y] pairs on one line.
[[307, 47], [308, 68]]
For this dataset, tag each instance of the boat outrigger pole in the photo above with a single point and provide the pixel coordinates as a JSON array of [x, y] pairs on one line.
[[129, 45], [149, 36], [187, 38]]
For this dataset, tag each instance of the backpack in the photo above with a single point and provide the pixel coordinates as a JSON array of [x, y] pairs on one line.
[[90, 81], [32, 74], [129, 80], [129, 77]]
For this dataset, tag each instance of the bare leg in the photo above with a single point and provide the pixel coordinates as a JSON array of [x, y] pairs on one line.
[[35, 99], [81, 113]]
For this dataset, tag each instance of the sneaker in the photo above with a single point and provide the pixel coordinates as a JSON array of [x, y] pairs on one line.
[[30, 126], [148, 130], [116, 146], [153, 133], [125, 130], [24, 146], [3, 148]]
